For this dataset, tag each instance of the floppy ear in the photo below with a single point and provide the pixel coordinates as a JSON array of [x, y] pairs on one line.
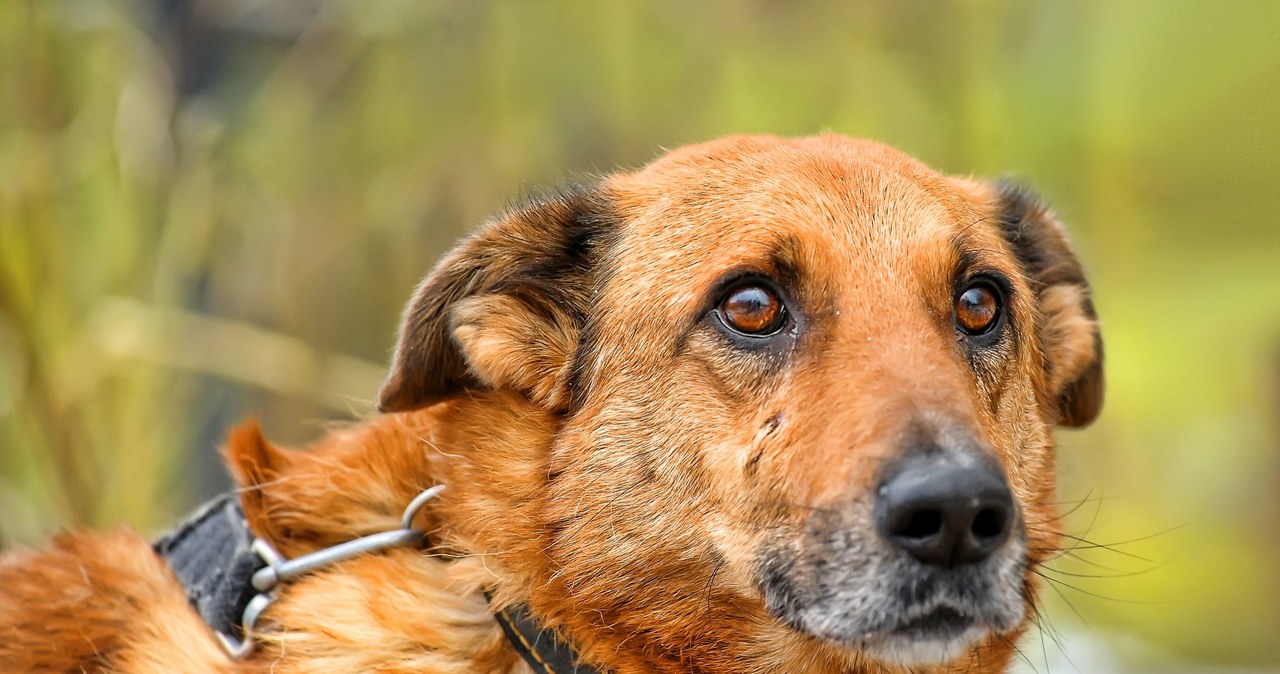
[[1069, 333], [504, 309]]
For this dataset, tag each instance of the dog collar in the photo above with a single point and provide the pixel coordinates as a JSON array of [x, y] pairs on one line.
[[212, 555], [543, 649], [230, 577]]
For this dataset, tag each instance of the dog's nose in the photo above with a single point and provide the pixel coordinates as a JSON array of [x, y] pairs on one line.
[[946, 509]]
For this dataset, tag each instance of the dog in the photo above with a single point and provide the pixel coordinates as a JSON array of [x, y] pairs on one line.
[[763, 405]]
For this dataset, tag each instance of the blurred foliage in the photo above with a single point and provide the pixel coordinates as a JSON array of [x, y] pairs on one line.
[[213, 208]]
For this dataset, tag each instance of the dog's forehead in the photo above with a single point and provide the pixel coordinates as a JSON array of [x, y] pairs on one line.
[[854, 210]]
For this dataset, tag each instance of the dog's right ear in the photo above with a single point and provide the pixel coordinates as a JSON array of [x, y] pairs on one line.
[[504, 309], [1069, 330]]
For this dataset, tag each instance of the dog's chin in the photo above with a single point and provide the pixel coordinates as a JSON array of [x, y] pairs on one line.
[[932, 638], [935, 636], [921, 636], [895, 611]]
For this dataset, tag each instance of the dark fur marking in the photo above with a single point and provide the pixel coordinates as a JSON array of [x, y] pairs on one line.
[[775, 572], [1043, 252], [749, 470], [599, 232]]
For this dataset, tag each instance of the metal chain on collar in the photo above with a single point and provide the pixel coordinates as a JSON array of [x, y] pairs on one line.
[[279, 570]]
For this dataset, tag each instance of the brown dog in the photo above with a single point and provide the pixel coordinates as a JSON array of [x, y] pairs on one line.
[[765, 405]]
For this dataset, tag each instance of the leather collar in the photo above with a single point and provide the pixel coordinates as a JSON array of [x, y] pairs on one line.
[[543, 649], [216, 557]]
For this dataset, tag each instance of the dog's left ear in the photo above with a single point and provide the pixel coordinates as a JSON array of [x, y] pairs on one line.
[[1069, 334], [502, 310]]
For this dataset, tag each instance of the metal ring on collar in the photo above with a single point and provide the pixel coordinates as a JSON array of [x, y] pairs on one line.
[[279, 570]]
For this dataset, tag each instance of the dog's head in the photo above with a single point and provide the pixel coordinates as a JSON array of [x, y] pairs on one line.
[[810, 381]]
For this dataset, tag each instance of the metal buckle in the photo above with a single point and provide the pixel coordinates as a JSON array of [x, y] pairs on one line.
[[280, 570]]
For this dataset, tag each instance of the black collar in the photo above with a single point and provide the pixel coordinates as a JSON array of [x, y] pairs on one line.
[[221, 564], [543, 649], [212, 555]]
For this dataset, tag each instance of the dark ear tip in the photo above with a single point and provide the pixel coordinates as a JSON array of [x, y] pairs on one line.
[[388, 405], [1082, 402], [402, 404], [394, 397], [410, 387]]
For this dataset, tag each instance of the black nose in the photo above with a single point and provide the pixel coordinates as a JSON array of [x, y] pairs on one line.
[[945, 508]]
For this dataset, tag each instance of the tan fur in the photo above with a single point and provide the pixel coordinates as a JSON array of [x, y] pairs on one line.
[[508, 346], [1069, 332], [618, 484], [99, 602]]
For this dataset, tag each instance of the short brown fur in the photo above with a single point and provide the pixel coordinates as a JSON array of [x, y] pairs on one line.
[[609, 461]]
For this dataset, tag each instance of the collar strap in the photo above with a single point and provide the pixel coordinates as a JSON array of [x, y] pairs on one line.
[[542, 648], [230, 577], [212, 555]]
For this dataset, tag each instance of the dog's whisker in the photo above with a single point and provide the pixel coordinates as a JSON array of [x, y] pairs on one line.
[[1064, 584], [1104, 576], [1070, 553], [1044, 625], [1085, 544], [1017, 651], [1163, 532], [1067, 601]]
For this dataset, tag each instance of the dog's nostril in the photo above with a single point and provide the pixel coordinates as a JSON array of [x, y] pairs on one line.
[[989, 523], [945, 509], [921, 524]]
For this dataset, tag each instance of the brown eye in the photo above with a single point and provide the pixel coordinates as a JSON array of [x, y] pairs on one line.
[[977, 309], [753, 310]]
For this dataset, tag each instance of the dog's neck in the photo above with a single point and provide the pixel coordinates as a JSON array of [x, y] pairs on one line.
[[492, 450]]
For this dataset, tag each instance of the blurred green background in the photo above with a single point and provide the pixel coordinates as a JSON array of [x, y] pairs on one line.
[[215, 208]]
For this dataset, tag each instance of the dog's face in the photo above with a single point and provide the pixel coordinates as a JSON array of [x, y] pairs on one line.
[[810, 383]]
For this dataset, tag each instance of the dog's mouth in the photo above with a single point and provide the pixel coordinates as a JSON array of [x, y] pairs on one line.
[[948, 616], [943, 622], [896, 611], [935, 636]]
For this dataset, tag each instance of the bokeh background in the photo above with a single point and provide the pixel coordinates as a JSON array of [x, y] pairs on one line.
[[215, 208]]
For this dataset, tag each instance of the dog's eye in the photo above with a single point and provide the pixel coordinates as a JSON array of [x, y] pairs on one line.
[[753, 310], [978, 308]]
